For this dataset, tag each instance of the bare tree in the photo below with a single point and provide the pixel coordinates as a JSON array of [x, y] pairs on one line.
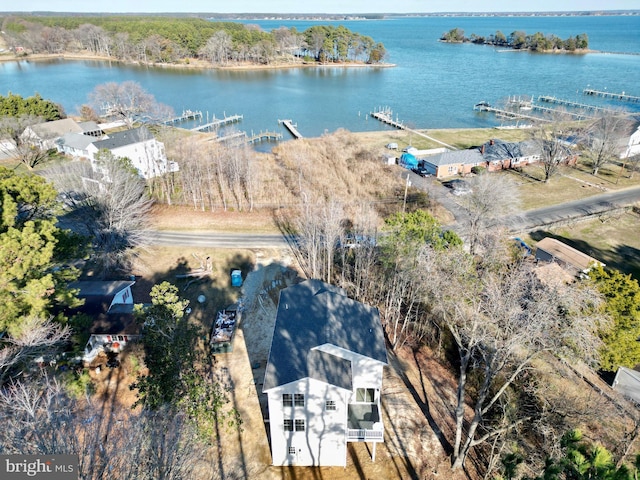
[[602, 140], [552, 148], [108, 204], [28, 151], [492, 197], [37, 337], [39, 418], [129, 102], [94, 38], [501, 318], [218, 48]]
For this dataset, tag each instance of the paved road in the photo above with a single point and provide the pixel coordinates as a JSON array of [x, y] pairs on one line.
[[522, 222], [218, 240], [576, 209]]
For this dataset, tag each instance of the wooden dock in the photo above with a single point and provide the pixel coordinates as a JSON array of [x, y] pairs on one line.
[[264, 136], [292, 128], [486, 107], [557, 111], [232, 136], [616, 96], [569, 103], [386, 116], [186, 116], [217, 123]]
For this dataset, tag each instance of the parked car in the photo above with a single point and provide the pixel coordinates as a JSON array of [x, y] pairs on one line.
[[392, 146], [423, 172], [458, 186]]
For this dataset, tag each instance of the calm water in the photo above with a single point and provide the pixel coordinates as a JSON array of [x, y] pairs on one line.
[[434, 85]]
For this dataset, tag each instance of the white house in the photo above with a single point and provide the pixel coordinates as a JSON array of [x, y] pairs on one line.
[[47, 134], [631, 143], [324, 376], [146, 153]]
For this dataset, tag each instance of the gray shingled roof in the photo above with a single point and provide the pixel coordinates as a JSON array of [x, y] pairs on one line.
[[314, 313], [76, 140], [455, 157], [497, 149], [102, 288], [126, 137]]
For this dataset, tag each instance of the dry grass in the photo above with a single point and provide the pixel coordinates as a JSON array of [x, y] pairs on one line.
[[612, 239]]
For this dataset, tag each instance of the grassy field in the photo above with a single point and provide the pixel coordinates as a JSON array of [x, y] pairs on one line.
[[612, 239]]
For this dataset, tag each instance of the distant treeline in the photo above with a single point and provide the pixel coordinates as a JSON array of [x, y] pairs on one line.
[[157, 39], [519, 40]]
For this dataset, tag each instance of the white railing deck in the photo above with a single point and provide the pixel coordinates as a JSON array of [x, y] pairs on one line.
[[361, 435]]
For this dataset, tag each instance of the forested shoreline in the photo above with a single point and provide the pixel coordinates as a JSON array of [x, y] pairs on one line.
[[519, 40], [164, 40]]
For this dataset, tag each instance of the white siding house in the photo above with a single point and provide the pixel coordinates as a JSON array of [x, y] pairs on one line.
[[48, 134], [323, 379], [146, 153], [632, 142]]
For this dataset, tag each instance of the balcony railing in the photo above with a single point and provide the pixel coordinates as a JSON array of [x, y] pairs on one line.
[[360, 435], [364, 423]]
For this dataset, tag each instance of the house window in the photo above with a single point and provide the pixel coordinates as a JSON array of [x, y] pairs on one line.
[[299, 425], [292, 450], [365, 395], [298, 400], [330, 405], [288, 425], [287, 400]]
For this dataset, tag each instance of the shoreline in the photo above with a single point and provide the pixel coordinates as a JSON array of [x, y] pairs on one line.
[[190, 64]]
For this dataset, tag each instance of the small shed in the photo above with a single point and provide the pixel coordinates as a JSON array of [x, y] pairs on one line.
[[551, 250]]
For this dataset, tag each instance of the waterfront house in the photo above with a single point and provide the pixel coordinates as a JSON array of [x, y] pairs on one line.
[[147, 155], [450, 163], [500, 155], [323, 378], [631, 141], [47, 134]]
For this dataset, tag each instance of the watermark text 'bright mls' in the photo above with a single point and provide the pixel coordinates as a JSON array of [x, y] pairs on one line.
[[50, 467]]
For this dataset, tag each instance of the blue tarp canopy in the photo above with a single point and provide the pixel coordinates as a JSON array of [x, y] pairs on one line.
[[408, 161]]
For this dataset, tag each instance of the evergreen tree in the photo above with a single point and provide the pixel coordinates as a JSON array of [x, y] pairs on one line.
[[622, 294], [33, 277]]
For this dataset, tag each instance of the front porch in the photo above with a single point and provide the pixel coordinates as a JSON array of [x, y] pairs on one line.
[[364, 423]]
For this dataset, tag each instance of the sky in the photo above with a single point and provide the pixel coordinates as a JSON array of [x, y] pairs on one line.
[[319, 6]]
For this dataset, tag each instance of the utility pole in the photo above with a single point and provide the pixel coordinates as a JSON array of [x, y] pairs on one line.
[[406, 188]]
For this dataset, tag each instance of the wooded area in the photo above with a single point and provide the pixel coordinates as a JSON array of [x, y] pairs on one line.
[[176, 40], [519, 40]]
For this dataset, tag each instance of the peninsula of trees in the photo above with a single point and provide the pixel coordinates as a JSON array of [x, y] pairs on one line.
[[164, 40], [519, 40]]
